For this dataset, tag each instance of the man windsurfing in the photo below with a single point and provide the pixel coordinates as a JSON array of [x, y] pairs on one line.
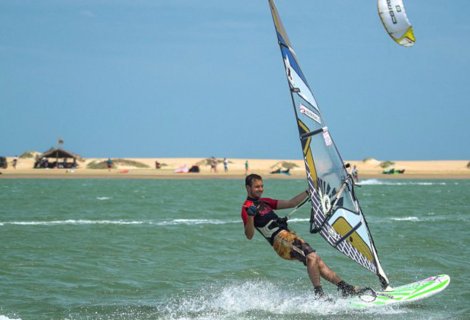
[[258, 214]]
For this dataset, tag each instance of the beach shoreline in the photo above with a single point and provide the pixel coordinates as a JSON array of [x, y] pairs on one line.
[[368, 169]]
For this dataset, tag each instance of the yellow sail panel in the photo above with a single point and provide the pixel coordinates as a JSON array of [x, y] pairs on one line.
[[408, 38], [307, 151], [343, 227]]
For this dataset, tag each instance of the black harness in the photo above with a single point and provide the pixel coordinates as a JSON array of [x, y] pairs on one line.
[[266, 221]]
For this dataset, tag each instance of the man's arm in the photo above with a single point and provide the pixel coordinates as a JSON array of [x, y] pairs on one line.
[[284, 204], [250, 228]]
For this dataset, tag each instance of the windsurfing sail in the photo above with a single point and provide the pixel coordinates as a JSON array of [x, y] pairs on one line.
[[335, 212], [393, 16]]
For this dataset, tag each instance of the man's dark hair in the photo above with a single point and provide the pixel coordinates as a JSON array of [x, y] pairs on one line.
[[249, 179]]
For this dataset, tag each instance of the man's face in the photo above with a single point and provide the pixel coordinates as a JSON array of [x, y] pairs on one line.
[[256, 189]]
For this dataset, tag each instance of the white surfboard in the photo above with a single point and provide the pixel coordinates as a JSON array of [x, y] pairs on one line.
[[403, 294]]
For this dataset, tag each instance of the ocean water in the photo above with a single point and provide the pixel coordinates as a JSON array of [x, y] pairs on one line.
[[175, 249]]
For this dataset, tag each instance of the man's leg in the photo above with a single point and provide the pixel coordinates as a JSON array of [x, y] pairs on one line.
[[316, 268]]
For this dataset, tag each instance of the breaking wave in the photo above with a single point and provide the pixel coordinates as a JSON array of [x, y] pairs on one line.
[[260, 298], [372, 182], [170, 222]]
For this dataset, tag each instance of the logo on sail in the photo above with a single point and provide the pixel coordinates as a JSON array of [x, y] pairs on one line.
[[309, 113]]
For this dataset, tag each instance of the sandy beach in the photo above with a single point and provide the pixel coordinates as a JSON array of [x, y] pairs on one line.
[[442, 169]]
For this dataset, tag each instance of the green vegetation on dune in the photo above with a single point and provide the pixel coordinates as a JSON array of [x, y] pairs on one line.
[[103, 164]]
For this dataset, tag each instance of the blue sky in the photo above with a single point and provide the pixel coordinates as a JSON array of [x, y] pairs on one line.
[[201, 78]]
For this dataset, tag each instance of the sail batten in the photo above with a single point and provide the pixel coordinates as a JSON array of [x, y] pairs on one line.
[[335, 212]]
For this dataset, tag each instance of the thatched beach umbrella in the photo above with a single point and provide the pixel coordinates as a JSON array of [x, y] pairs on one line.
[[58, 153]]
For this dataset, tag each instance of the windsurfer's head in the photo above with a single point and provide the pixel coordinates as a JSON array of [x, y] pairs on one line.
[[254, 185], [250, 178]]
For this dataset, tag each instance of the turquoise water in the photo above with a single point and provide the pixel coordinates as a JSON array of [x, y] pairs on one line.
[[175, 249]]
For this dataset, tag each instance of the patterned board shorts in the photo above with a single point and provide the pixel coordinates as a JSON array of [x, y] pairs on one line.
[[291, 247]]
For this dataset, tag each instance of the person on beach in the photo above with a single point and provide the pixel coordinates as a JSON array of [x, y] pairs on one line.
[[355, 174], [225, 165], [213, 163], [109, 164], [258, 214]]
